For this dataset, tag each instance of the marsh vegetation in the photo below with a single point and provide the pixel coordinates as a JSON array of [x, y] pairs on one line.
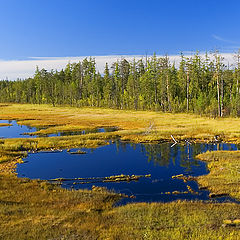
[[33, 208]]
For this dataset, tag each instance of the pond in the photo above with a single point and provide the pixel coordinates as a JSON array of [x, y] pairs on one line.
[[160, 160], [69, 133], [16, 130]]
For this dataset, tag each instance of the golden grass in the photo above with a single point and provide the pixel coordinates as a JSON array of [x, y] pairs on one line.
[[136, 125], [175, 220], [33, 209], [224, 176], [5, 124]]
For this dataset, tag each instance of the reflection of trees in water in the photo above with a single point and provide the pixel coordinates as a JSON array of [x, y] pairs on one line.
[[221, 146], [67, 133], [163, 154], [121, 146], [182, 155], [187, 160], [158, 153]]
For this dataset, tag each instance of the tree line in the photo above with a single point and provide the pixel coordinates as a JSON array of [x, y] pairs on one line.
[[199, 84]]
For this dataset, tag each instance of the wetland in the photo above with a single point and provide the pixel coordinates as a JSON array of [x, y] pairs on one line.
[[161, 161], [126, 173]]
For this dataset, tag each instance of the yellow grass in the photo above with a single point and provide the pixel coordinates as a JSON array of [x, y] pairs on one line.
[[176, 220], [33, 209], [5, 124], [224, 176], [137, 126]]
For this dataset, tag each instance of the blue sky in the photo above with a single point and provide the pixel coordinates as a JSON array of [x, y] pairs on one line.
[[57, 28], [71, 28]]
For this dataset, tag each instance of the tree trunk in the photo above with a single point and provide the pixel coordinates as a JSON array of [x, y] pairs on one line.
[[218, 93], [156, 91], [222, 88], [188, 90], [168, 95]]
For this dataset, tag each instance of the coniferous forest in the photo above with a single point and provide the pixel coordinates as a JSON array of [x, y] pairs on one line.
[[202, 85]]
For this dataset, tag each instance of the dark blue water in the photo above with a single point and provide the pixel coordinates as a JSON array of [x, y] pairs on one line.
[[20, 131], [70, 133], [15, 131], [160, 160]]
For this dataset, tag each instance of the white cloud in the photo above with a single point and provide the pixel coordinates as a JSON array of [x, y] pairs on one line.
[[13, 69], [25, 68], [223, 39]]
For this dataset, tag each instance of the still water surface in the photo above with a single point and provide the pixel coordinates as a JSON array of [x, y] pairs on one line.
[[15, 131], [160, 160], [20, 131]]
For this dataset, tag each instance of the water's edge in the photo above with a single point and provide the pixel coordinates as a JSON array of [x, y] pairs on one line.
[[162, 161]]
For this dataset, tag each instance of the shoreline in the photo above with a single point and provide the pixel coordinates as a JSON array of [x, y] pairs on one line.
[[85, 213]]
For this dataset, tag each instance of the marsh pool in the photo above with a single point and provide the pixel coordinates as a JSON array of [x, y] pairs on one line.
[[162, 161]]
